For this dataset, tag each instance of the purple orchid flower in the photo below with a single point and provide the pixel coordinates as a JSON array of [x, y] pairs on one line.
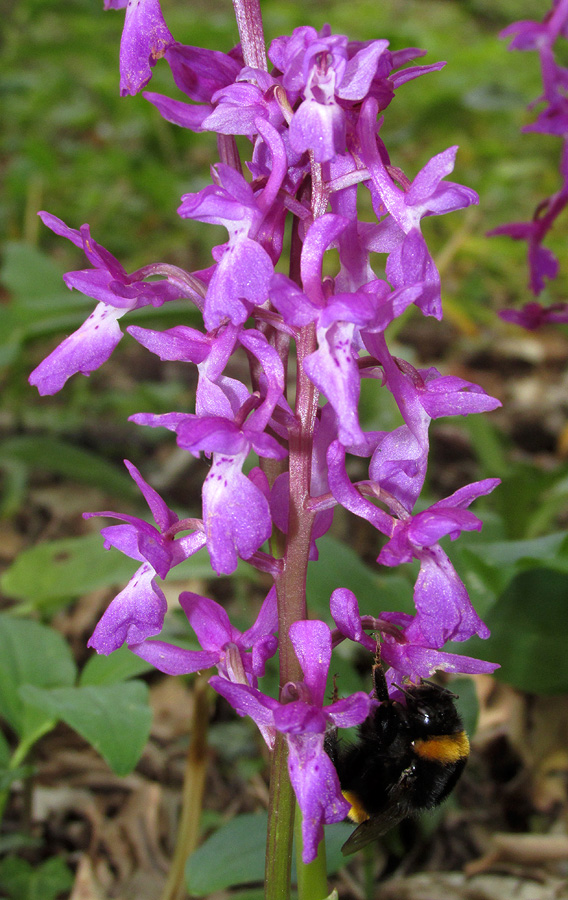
[[403, 647], [223, 645], [236, 513], [444, 610], [410, 263], [117, 292], [553, 119], [304, 720], [138, 611], [244, 267]]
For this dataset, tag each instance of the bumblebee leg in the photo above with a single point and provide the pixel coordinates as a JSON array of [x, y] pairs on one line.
[[379, 681]]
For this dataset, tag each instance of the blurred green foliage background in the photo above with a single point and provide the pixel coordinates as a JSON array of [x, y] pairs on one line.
[[71, 145]]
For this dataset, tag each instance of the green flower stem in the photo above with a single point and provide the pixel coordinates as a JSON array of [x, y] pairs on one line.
[[312, 877], [280, 825], [192, 792]]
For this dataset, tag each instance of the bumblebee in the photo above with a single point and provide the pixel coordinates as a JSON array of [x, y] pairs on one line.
[[408, 758]]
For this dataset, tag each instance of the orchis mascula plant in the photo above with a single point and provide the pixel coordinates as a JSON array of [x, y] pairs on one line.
[[552, 119], [313, 121]]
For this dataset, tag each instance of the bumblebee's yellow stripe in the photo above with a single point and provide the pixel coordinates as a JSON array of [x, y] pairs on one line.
[[357, 813], [445, 748]]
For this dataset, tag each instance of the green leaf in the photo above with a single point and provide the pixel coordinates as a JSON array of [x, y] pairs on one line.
[[335, 837], [32, 277], [22, 881], [118, 666], [114, 718], [65, 569], [467, 702], [340, 566], [529, 633], [40, 301], [76, 464], [527, 552], [233, 855], [30, 654], [487, 567]]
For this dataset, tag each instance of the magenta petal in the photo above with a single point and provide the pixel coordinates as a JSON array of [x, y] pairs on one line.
[[236, 514], [145, 38], [187, 115], [360, 71], [58, 226], [334, 371], [351, 710], [134, 614], [83, 351], [299, 718], [467, 494], [266, 621], [174, 660], [312, 645], [240, 281], [163, 515], [247, 701], [415, 661], [444, 609], [318, 127], [344, 609], [317, 789], [209, 621]]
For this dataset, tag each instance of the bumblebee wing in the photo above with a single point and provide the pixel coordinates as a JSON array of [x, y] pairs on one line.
[[373, 828], [396, 810]]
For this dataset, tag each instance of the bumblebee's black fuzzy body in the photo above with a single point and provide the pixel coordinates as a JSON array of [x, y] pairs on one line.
[[408, 758]]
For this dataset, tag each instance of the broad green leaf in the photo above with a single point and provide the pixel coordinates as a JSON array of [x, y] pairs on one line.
[[30, 654], [340, 566], [114, 718], [22, 881], [549, 549], [74, 463], [40, 301], [65, 569], [335, 837], [118, 666], [487, 567], [529, 632], [233, 855], [33, 278]]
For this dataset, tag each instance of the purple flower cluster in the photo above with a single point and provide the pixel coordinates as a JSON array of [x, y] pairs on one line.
[[552, 119], [313, 123]]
